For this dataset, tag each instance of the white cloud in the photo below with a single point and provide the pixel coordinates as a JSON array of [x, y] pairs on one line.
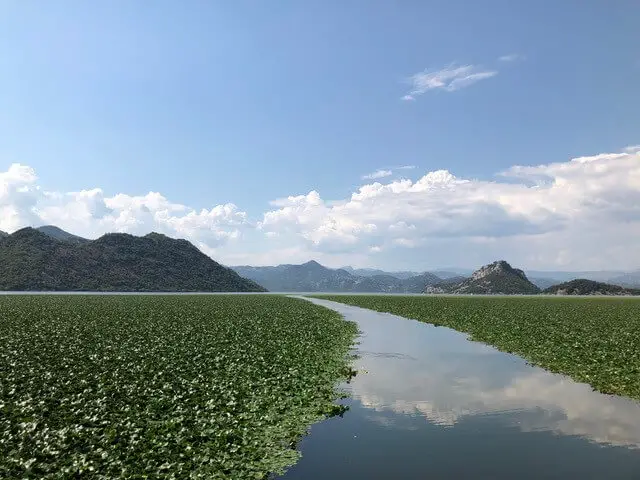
[[536, 400], [91, 213], [449, 79], [512, 57], [438, 375], [584, 213], [377, 174], [18, 194]]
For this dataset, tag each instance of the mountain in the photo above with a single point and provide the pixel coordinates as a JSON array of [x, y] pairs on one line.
[[417, 283], [564, 276], [370, 272], [631, 279], [582, 286], [3, 234], [454, 273], [496, 278], [542, 283], [450, 281], [59, 234], [33, 260], [313, 277]]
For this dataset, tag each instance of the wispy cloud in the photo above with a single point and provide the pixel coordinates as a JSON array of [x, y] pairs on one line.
[[512, 57], [405, 167], [377, 174], [449, 79]]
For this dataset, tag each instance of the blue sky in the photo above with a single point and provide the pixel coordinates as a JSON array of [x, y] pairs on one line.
[[243, 103]]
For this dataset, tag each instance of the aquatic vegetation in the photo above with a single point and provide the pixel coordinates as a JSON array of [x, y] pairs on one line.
[[593, 340], [163, 386]]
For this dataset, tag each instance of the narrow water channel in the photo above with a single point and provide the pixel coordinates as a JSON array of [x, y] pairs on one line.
[[428, 403]]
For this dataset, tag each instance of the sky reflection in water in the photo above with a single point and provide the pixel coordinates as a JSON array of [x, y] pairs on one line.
[[421, 387]]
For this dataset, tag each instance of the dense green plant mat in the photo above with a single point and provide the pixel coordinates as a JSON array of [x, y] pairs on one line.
[[163, 386], [593, 340]]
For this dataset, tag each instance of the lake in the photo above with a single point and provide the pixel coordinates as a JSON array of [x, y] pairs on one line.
[[428, 403]]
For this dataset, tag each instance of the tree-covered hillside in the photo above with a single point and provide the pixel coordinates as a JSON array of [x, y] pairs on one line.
[[33, 260], [582, 286]]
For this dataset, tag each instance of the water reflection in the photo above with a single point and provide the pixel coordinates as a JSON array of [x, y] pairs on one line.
[[444, 377], [419, 382]]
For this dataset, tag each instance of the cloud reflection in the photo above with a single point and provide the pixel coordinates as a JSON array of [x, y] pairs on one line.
[[417, 369]]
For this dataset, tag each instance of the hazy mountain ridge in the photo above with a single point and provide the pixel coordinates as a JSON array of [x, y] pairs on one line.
[[313, 277], [498, 277], [495, 278], [630, 279], [59, 234], [583, 286], [543, 283], [31, 260], [372, 272], [608, 276]]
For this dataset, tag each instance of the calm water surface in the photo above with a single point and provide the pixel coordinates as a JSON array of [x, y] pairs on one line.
[[428, 403]]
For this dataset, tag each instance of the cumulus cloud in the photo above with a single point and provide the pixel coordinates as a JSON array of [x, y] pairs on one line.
[[18, 197], [441, 376], [377, 174], [450, 78], [546, 214], [91, 213], [534, 399], [582, 214]]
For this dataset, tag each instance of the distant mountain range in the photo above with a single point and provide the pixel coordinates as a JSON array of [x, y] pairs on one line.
[[313, 277], [543, 283], [496, 278], [403, 275], [631, 279], [48, 258], [541, 278], [565, 276], [372, 272]]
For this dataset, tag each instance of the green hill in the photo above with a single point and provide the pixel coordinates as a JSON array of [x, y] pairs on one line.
[[582, 286], [32, 260]]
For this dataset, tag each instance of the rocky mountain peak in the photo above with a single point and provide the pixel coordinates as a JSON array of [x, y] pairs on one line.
[[499, 267], [313, 264], [495, 278]]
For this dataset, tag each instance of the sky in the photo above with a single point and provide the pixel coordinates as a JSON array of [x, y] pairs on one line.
[[399, 135]]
